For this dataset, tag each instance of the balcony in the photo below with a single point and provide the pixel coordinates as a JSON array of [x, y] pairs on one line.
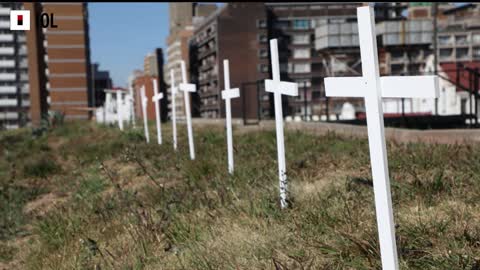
[[5, 11], [6, 37], [5, 24], [22, 51], [7, 63], [7, 76], [8, 102], [8, 115], [205, 53], [8, 90], [6, 50]]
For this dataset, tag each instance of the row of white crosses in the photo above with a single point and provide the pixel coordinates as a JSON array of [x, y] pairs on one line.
[[370, 86], [184, 86]]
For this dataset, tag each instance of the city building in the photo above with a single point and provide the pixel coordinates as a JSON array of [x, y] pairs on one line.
[[244, 40], [147, 82], [65, 59], [182, 17], [153, 63], [150, 65], [15, 94], [101, 81]]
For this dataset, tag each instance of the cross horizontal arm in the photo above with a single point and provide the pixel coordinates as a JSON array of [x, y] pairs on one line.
[[157, 97], [230, 93], [392, 86], [188, 87], [285, 88], [345, 87], [409, 86]]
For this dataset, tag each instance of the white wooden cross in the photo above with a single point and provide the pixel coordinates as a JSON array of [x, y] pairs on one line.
[[144, 109], [174, 109], [373, 88], [156, 99], [228, 94], [131, 105], [119, 109], [187, 88], [279, 88]]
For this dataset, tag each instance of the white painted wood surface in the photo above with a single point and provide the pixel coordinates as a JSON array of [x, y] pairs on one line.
[[156, 99], [187, 88], [144, 110], [279, 88], [174, 108], [119, 109], [227, 95], [373, 88]]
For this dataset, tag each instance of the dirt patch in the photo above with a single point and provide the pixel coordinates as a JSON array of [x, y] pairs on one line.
[[43, 204]]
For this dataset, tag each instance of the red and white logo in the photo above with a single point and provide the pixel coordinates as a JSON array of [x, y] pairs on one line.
[[20, 20]]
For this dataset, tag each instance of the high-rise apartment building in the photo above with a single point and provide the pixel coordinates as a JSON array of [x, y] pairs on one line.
[[182, 16], [150, 65], [14, 87], [45, 69], [67, 56], [241, 32]]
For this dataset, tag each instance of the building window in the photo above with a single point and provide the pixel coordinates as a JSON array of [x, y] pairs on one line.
[[263, 68], [445, 53], [476, 38], [462, 53], [444, 40], [461, 39], [301, 53], [301, 68], [262, 23], [301, 39], [476, 52], [262, 38], [263, 53], [301, 24], [283, 67], [316, 95], [304, 83], [281, 24], [397, 69]]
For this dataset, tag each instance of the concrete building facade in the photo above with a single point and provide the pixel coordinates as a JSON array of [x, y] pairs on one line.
[[182, 17], [244, 39], [15, 97]]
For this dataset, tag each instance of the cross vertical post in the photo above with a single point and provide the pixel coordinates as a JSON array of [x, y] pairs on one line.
[[228, 94], [186, 88], [174, 109], [373, 88], [132, 106], [378, 149], [119, 109], [156, 99], [144, 109], [279, 88]]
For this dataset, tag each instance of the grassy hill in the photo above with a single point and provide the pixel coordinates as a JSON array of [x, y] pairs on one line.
[[84, 196]]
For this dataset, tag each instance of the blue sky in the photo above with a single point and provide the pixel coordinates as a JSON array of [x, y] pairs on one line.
[[121, 34]]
